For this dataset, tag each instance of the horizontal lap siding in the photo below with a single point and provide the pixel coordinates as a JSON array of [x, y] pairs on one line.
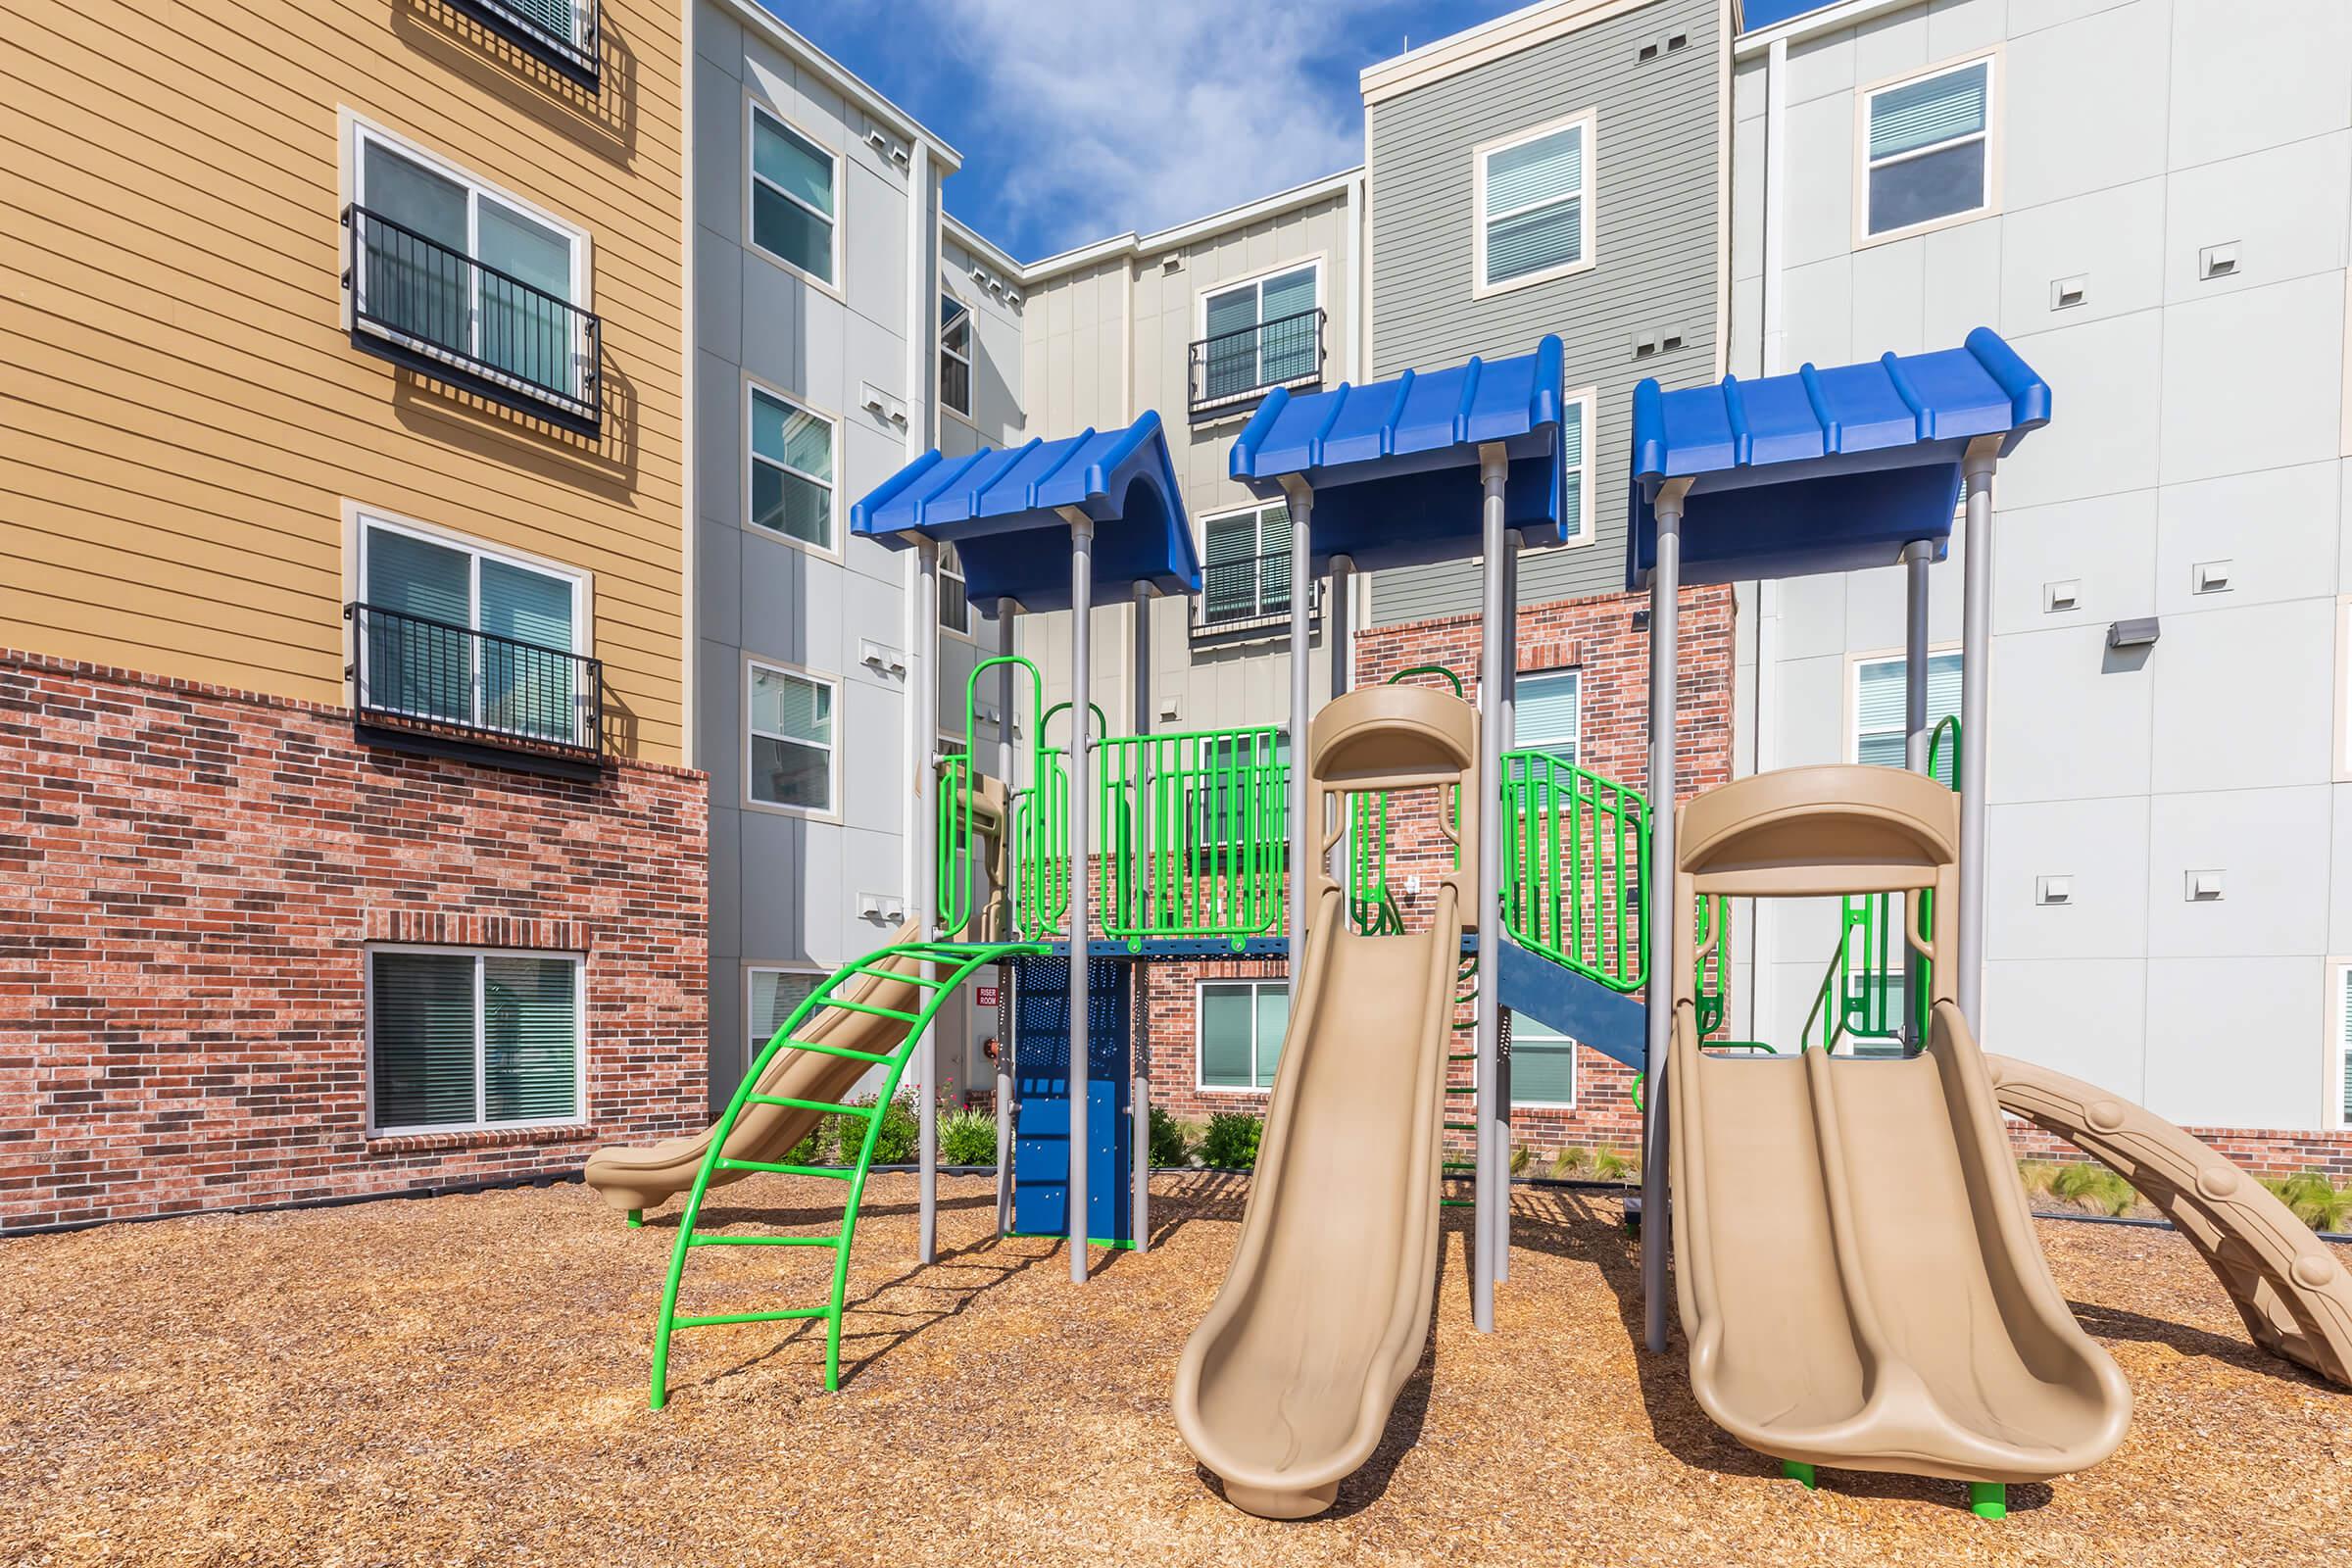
[[186, 414], [1654, 244]]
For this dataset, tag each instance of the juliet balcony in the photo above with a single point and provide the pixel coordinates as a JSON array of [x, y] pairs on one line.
[[1231, 371], [450, 689]]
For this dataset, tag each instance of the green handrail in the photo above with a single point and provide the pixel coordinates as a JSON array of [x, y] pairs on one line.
[[1371, 902], [1574, 861], [1200, 840], [957, 840], [960, 959]]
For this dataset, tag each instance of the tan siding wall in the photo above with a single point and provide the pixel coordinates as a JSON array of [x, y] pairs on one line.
[[185, 414]]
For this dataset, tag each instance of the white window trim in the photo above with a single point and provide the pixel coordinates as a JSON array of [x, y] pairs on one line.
[[1589, 254], [579, 1016], [1586, 532], [831, 812], [1226, 285], [1201, 1033], [970, 631], [2343, 688], [1576, 1072], [1576, 671], [833, 548], [2334, 1069], [1864, 239], [755, 106], [1851, 722], [818, 974], [1258, 509], [969, 357]]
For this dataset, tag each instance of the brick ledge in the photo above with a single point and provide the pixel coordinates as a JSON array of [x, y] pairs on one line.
[[480, 1138]]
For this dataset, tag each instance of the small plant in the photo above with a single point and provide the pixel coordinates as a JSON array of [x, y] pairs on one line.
[[2312, 1199], [1231, 1143], [1570, 1162], [816, 1149], [2036, 1176], [2093, 1188], [968, 1137], [1523, 1160], [1171, 1140], [1608, 1165], [894, 1146]]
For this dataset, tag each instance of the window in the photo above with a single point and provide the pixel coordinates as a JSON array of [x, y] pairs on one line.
[[1575, 424], [775, 993], [2343, 1040], [1242, 1024], [1535, 209], [1927, 150], [1878, 709], [1246, 573], [1239, 794], [954, 355], [1261, 333], [793, 745], [460, 1038], [1542, 1066], [794, 198], [954, 595], [792, 469], [454, 632], [1549, 713]]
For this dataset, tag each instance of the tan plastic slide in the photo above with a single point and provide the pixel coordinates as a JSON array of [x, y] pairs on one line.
[[1857, 1273], [1285, 1387], [645, 1178]]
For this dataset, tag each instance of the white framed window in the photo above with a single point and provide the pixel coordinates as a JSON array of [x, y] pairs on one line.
[[770, 994], [1576, 462], [955, 594], [795, 199], [2339, 1045], [1532, 198], [792, 748], [1259, 333], [791, 491], [456, 630], [1238, 793], [1878, 729], [1239, 1025], [1549, 713], [1927, 151], [509, 313], [466, 1039], [1245, 564], [1543, 1066], [954, 355]]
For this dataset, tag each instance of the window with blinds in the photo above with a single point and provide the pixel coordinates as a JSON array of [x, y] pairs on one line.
[[1542, 1066], [1880, 731], [1927, 149], [1549, 713], [1240, 1029], [954, 592], [461, 1038], [792, 469], [1246, 566], [954, 355], [775, 992], [793, 746], [1535, 209], [794, 198], [1260, 333], [2343, 1039], [464, 628], [1576, 423]]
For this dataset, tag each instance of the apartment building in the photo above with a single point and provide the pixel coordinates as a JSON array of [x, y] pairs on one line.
[[2150, 200], [342, 641]]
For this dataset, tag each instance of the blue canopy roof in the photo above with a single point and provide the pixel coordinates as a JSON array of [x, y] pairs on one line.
[[1394, 466], [1001, 508], [1824, 470]]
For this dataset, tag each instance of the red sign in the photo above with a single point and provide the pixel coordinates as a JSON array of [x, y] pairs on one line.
[[987, 996]]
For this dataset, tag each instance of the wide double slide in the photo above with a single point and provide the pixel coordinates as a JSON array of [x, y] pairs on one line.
[[1285, 1387], [641, 1178]]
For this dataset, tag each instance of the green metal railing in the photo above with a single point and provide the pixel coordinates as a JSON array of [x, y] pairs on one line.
[[955, 961], [958, 840], [1575, 858], [1371, 902], [1198, 834]]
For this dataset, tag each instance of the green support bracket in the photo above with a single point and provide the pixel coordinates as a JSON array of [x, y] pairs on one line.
[[1801, 1474], [636, 1218], [1989, 1499]]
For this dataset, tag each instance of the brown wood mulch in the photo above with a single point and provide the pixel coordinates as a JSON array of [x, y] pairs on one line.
[[462, 1381]]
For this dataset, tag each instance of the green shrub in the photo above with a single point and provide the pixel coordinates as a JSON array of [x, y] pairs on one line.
[[893, 1147], [1608, 1165], [2312, 1199], [1171, 1140], [1231, 1143], [1571, 1164], [968, 1137], [2037, 1175], [1523, 1160], [815, 1150], [2094, 1188]]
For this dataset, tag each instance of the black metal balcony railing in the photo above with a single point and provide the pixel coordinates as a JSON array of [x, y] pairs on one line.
[[411, 673], [418, 302], [1232, 369], [563, 34], [1249, 594]]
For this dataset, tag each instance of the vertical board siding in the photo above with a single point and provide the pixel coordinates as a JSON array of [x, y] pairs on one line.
[[1654, 244], [188, 415]]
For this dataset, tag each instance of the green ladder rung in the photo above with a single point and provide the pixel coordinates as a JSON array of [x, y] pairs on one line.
[[774, 1169], [1457, 1203], [844, 1051], [1467, 1055], [879, 1012], [763, 1241], [867, 1112], [887, 974], [1462, 1088], [717, 1318]]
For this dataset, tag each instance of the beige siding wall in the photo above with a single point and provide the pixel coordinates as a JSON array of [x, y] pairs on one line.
[[186, 417]]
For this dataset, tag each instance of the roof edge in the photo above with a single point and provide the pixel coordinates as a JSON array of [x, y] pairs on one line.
[[1829, 18], [1131, 244], [1489, 42], [841, 78]]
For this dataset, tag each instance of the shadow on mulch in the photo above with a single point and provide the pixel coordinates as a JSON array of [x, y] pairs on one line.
[[1214, 1196], [2113, 1323], [715, 1216]]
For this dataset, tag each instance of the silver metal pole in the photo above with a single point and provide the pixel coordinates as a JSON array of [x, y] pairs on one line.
[[1976, 691], [1339, 639], [1007, 609], [922, 690], [1919, 559], [1139, 1077], [1503, 1044], [1665, 585], [1081, 775], [1302, 701], [1490, 1182]]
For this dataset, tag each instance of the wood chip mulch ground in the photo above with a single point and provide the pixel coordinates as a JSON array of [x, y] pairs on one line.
[[462, 1381]]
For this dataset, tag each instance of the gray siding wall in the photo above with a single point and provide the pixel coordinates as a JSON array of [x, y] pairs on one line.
[[1656, 163]]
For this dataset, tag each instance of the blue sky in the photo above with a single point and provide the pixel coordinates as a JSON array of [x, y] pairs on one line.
[[1079, 119]]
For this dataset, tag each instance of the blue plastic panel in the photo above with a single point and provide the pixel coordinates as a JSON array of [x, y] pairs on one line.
[[1040, 1149]]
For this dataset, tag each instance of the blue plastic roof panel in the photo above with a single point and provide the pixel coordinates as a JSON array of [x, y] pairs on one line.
[[1395, 465], [1823, 470], [1001, 509]]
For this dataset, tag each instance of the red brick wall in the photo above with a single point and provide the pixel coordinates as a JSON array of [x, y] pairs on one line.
[[191, 875]]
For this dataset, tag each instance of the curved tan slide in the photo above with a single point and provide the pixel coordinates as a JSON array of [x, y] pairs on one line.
[[2291, 1288], [644, 1178], [1858, 1275], [1285, 1387]]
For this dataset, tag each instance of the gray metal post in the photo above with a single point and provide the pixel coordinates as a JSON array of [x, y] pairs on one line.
[[1657, 1220], [1007, 609], [1339, 640], [1139, 1077], [1919, 559], [922, 690], [1503, 743], [1302, 707], [1081, 775], [1490, 1182], [1976, 690]]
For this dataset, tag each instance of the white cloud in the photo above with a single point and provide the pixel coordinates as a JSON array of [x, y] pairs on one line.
[[1139, 115]]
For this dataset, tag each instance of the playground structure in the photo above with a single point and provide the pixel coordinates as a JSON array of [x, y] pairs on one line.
[[1934, 1346]]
